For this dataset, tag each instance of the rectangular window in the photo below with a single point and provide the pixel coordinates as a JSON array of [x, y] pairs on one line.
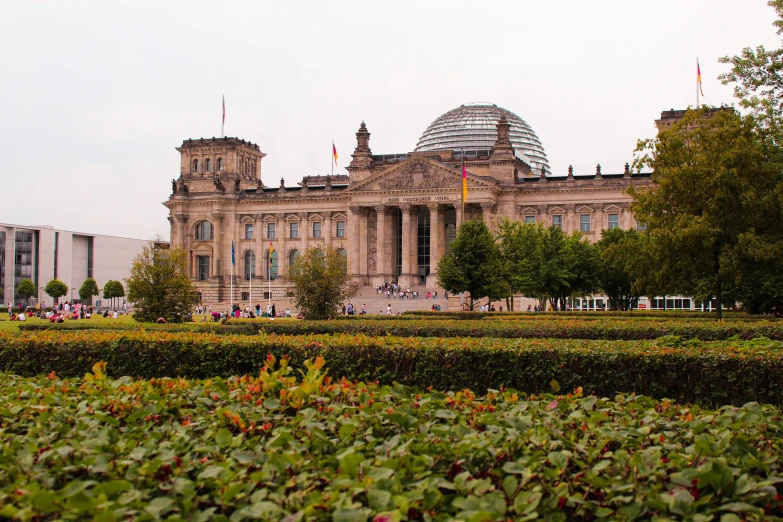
[[614, 221], [557, 221], [270, 230], [293, 229], [56, 247], [316, 229], [89, 255], [529, 220], [203, 267], [584, 222], [248, 231], [341, 229]]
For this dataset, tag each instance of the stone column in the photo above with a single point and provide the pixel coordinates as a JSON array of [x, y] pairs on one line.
[[413, 253], [626, 221], [304, 230], [382, 262], [217, 250], [406, 276], [486, 213], [542, 215], [193, 266], [436, 223], [282, 250], [568, 219], [363, 244], [327, 230], [599, 217], [258, 239], [180, 226], [354, 222]]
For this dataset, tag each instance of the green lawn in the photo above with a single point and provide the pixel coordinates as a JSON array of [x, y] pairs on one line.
[[13, 326], [8, 326]]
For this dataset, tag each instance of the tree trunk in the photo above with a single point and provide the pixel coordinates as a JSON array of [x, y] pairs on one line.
[[508, 303], [471, 302], [719, 299]]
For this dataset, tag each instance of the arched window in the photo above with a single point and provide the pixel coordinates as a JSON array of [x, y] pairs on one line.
[[220, 164], [207, 165], [250, 264], [271, 266], [293, 256], [204, 231], [195, 165], [344, 255]]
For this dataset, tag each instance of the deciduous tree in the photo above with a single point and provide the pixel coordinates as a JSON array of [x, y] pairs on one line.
[[27, 289], [473, 264], [319, 282], [88, 289], [159, 285], [56, 289], [618, 249], [714, 197]]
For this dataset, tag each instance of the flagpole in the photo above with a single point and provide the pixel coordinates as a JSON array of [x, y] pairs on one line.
[[232, 280], [223, 120], [250, 294], [697, 82], [332, 157]]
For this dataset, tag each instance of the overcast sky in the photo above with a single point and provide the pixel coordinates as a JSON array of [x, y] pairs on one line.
[[95, 95]]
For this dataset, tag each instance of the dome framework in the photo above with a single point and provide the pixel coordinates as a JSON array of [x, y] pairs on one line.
[[472, 126]]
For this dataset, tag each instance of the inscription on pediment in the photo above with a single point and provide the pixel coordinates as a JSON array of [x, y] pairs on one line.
[[417, 175]]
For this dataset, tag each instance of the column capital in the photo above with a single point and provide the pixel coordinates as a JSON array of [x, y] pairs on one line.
[[304, 216], [380, 209], [487, 206], [180, 218], [280, 215], [258, 217], [217, 216], [406, 208], [543, 208], [598, 206], [356, 209], [570, 207]]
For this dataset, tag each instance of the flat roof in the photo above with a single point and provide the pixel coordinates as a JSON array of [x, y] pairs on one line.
[[49, 227]]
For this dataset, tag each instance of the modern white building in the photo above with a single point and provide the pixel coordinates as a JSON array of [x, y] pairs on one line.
[[43, 253]]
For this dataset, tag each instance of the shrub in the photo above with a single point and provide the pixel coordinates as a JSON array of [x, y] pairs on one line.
[[732, 372], [276, 447], [573, 328]]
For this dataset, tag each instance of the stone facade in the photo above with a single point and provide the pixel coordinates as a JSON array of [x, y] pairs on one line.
[[393, 216]]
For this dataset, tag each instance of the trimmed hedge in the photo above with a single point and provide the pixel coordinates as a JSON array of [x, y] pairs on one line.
[[634, 313], [690, 371], [575, 328]]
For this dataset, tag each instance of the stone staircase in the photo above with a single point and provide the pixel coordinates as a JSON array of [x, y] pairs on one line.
[[375, 303]]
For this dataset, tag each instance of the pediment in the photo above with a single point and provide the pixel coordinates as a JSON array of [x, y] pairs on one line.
[[417, 174], [201, 246], [556, 210], [584, 209], [613, 208]]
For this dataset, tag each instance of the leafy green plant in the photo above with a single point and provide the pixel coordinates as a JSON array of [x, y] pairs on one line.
[[276, 447]]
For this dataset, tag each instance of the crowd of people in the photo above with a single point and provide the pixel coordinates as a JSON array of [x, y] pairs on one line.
[[239, 312], [395, 291], [59, 312]]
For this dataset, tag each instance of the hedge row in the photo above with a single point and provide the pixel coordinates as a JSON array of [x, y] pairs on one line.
[[691, 371], [273, 447], [576, 328], [608, 313]]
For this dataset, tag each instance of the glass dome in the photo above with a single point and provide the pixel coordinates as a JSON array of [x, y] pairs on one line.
[[473, 126]]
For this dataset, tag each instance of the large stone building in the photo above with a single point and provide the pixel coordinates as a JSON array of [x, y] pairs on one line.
[[393, 216]]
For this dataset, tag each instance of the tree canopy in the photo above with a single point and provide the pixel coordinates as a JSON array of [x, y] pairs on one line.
[[619, 250], [319, 282], [27, 288], [713, 205], [472, 264], [159, 285], [88, 289], [546, 264], [56, 289]]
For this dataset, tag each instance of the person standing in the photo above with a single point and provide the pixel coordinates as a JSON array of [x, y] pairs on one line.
[[274, 310], [258, 310], [388, 309]]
